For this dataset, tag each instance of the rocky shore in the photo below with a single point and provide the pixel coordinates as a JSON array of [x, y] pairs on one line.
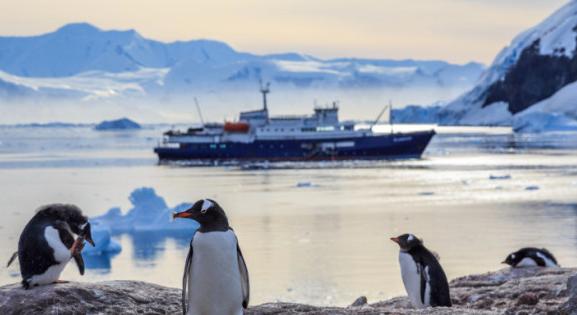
[[508, 291]]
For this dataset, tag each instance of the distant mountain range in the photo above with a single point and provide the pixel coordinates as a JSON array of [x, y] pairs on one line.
[[82, 62], [531, 85]]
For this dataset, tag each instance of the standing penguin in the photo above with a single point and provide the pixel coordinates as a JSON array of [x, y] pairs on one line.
[[215, 277], [530, 256], [47, 243], [423, 276]]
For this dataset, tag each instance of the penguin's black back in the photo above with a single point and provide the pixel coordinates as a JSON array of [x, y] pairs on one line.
[[440, 295], [34, 253], [531, 252]]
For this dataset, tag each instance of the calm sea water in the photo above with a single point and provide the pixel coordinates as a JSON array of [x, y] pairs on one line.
[[326, 243]]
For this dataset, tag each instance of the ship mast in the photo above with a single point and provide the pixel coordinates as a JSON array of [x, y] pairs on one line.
[[264, 89]]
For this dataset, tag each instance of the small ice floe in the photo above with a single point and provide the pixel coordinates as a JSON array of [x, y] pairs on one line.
[[532, 187], [499, 188], [499, 177], [426, 193], [305, 184]]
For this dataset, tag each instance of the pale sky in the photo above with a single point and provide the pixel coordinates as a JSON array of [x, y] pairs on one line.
[[452, 30]]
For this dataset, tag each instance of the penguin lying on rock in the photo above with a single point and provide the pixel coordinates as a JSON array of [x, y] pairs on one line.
[[530, 256], [47, 244], [215, 277], [423, 276]]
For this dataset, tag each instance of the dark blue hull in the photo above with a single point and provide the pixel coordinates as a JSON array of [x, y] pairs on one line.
[[390, 146]]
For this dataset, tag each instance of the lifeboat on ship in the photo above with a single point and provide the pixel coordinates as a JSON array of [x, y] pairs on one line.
[[236, 127]]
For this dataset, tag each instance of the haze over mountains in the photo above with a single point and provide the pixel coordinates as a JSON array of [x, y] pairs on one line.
[[81, 62]]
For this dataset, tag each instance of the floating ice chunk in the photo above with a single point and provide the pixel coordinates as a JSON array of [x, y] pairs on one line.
[[499, 177], [305, 184], [103, 242], [149, 212], [426, 193], [532, 187]]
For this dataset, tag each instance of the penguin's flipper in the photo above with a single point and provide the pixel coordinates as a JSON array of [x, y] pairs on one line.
[[424, 279], [79, 262], [244, 281], [185, 279], [12, 259]]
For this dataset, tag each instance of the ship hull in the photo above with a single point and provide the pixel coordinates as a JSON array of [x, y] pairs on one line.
[[374, 147]]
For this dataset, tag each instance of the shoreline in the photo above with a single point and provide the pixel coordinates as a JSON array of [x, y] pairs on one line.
[[527, 291]]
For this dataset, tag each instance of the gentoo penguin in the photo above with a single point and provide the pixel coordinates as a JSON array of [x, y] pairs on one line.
[[47, 243], [215, 277], [423, 276], [530, 256]]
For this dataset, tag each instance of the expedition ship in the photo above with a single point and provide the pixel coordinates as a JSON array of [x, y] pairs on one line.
[[258, 137]]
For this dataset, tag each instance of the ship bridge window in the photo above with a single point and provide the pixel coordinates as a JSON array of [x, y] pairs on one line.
[[326, 128], [223, 146], [213, 146], [308, 129]]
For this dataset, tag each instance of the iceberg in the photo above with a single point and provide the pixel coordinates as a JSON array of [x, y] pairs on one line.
[[149, 213], [103, 242], [118, 124]]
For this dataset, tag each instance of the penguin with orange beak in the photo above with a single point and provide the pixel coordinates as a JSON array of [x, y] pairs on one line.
[[215, 279], [423, 276]]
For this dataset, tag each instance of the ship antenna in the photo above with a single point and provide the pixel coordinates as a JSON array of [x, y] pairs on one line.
[[199, 111], [391, 115], [264, 89], [381, 115]]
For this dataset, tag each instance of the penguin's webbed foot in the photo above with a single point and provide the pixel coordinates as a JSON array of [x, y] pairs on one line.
[[60, 282]]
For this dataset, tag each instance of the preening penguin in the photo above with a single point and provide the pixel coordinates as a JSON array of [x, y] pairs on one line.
[[530, 256], [215, 277], [47, 243], [423, 276]]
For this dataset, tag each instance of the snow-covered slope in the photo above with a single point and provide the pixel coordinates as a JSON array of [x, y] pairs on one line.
[[84, 62], [533, 68]]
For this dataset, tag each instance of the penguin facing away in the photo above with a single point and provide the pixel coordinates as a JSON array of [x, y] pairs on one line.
[[215, 279], [423, 276], [531, 256], [48, 242]]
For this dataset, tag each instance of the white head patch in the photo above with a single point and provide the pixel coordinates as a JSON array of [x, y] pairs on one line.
[[83, 225], [410, 238], [206, 204], [512, 256]]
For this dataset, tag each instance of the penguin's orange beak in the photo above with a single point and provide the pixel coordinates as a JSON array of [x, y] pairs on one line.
[[182, 215], [395, 239]]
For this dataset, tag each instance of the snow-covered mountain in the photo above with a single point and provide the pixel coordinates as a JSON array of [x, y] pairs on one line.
[[535, 73], [80, 61]]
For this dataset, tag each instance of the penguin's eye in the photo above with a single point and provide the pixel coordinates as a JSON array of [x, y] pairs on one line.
[[513, 256]]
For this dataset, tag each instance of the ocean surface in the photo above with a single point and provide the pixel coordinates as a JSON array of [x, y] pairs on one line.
[[310, 232]]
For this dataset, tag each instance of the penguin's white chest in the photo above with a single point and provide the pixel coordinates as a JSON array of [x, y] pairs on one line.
[[411, 275], [215, 283], [61, 255]]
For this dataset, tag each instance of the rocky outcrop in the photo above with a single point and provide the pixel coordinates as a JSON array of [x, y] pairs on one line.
[[532, 79], [508, 291]]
